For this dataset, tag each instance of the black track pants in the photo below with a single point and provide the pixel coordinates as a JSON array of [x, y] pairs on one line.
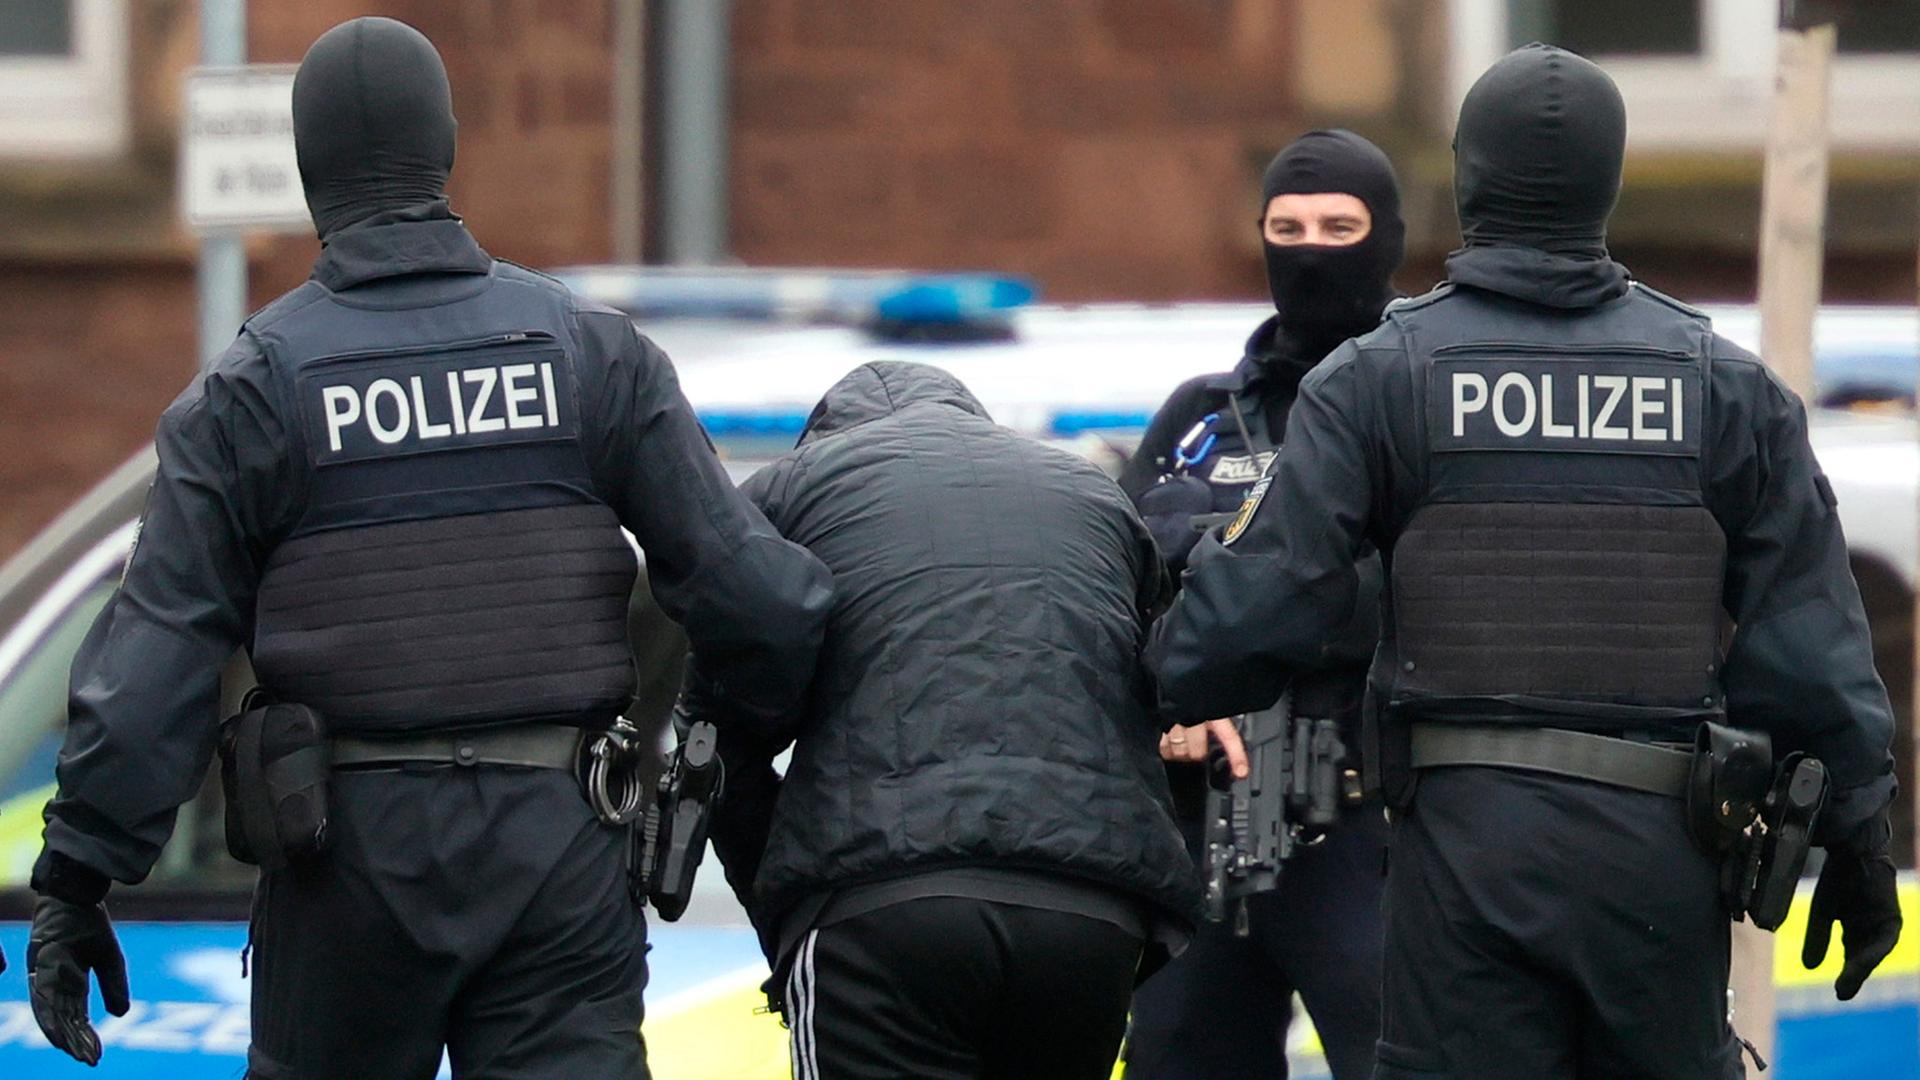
[[955, 989], [480, 910]]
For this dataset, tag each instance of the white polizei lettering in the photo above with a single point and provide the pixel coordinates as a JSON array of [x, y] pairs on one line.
[[343, 408], [1547, 427], [1644, 407], [1463, 402], [1679, 396], [1583, 416], [404, 407], [459, 416], [1513, 380], [402, 419], [421, 422], [516, 395], [477, 423], [1616, 386]]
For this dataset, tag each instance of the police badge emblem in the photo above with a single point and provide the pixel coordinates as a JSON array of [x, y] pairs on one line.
[[1247, 506]]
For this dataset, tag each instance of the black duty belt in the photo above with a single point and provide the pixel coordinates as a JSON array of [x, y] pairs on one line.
[[1659, 770], [539, 746]]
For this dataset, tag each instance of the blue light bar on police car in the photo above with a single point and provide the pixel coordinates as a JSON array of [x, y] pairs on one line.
[[851, 296]]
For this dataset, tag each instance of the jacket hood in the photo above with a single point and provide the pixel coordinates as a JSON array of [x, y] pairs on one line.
[[878, 390], [1539, 277]]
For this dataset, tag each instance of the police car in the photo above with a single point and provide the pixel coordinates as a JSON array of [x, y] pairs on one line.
[[755, 350]]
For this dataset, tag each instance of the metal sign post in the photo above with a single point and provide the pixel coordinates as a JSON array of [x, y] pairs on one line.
[[237, 165], [222, 284]]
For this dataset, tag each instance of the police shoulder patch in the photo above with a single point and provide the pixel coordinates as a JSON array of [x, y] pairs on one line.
[[1247, 507]]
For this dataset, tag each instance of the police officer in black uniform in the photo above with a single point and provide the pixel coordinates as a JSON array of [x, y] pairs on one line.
[[402, 490], [1330, 225], [1576, 485]]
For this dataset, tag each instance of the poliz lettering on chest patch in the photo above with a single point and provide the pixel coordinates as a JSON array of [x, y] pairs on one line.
[[1577, 405], [424, 403], [1239, 469]]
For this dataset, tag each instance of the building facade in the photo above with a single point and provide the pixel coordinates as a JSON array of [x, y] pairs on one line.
[[1109, 149]]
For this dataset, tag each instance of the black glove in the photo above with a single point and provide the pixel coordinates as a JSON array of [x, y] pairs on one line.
[[67, 941], [1857, 889], [1168, 508]]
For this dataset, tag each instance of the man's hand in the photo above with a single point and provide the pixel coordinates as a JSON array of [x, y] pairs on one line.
[[1188, 745], [1857, 890], [67, 942]]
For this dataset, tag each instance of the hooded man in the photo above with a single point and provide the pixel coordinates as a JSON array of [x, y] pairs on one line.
[[1330, 226], [1576, 486], [401, 491], [972, 850]]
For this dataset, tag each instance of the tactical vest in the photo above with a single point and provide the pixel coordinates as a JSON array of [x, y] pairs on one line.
[[453, 565], [1562, 560]]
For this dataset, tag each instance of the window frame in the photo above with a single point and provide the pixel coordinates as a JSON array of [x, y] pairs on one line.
[[71, 107], [1721, 98]]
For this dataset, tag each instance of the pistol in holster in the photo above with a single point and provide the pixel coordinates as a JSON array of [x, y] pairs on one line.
[[1755, 819], [274, 763], [672, 837]]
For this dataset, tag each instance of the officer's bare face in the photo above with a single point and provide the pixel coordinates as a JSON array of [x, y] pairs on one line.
[[1328, 218]]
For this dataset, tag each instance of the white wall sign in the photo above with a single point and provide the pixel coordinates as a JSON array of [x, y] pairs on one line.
[[237, 167]]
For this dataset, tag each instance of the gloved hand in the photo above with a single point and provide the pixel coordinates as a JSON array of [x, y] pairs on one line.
[[1856, 889], [67, 941], [1168, 508]]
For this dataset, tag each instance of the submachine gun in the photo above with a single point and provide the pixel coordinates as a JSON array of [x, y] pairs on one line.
[[673, 834], [1291, 795]]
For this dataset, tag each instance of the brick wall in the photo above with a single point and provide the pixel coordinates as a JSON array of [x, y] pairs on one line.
[[1102, 146], [94, 342], [1108, 148], [531, 91]]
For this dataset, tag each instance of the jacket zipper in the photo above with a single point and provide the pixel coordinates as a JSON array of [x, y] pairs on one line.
[[467, 345], [1535, 349]]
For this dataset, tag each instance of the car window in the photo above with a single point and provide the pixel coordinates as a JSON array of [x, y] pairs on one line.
[[35, 658], [33, 708]]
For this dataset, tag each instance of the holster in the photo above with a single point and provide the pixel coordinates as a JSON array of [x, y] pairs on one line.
[[1756, 821], [672, 836], [1731, 772], [274, 763], [1785, 836]]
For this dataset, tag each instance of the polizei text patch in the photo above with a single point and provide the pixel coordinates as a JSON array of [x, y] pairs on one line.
[[359, 408], [1581, 404]]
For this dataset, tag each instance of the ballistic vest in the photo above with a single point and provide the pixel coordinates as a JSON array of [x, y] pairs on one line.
[[1562, 561], [453, 565]]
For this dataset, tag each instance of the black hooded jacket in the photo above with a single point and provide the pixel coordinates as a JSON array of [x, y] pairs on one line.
[[980, 700]]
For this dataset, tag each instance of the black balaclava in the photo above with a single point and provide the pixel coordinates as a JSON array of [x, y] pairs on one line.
[[372, 122], [1538, 152], [1325, 293]]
